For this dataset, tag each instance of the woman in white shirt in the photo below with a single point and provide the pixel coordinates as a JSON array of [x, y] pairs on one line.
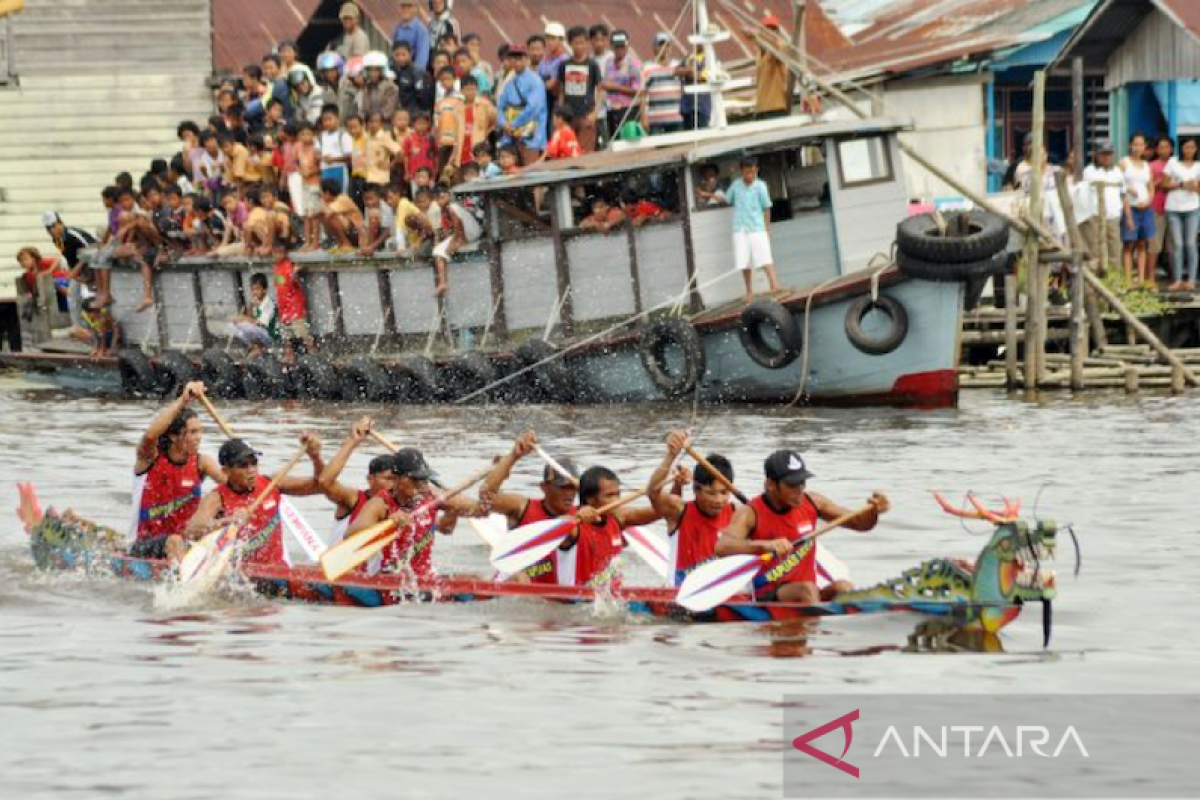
[[1182, 179], [1137, 228]]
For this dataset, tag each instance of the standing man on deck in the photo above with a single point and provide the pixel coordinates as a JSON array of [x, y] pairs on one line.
[[779, 520], [348, 501], [585, 558], [168, 475], [557, 500], [259, 536], [693, 526], [752, 227]]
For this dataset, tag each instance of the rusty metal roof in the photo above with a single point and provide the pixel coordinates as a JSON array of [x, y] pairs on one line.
[[244, 31]]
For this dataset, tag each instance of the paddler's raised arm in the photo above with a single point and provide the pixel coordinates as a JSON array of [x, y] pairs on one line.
[[337, 492], [735, 539], [510, 505], [205, 518], [665, 502], [302, 487], [865, 521], [148, 448], [374, 512]]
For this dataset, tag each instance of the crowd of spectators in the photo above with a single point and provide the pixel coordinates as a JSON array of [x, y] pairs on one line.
[[357, 153]]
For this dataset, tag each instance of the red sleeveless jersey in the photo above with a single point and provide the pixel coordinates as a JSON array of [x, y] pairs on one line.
[[546, 570], [414, 546], [262, 537], [801, 564], [589, 562], [166, 496], [694, 540]]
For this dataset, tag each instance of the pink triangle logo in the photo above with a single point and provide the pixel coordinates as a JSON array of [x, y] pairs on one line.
[[801, 743]]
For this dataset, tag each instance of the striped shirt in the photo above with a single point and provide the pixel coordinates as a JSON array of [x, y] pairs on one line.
[[664, 92]]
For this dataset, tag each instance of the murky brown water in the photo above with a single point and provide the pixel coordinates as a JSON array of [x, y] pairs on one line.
[[104, 693]]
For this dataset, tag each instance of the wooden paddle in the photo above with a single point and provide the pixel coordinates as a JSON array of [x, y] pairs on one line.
[[355, 549], [525, 546], [717, 476], [715, 582], [204, 558], [216, 415], [388, 445], [554, 465]]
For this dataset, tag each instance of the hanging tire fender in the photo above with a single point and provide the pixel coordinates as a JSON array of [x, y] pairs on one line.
[[137, 373], [756, 318], [465, 375], [220, 373], [414, 380], [174, 371], [551, 378], [316, 378], [1000, 263], [365, 379], [680, 334], [264, 378], [920, 237], [876, 344]]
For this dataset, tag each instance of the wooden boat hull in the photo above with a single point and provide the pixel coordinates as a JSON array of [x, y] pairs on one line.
[[308, 584]]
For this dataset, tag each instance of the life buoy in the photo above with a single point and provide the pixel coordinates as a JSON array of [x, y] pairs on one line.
[[551, 381], [465, 376], [316, 378], [414, 380], [264, 378], [137, 373], [770, 334], [673, 356], [876, 343], [365, 379], [920, 237], [174, 371], [220, 373]]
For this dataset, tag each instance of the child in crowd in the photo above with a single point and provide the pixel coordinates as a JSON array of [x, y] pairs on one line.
[[102, 328], [135, 236], [418, 149], [708, 190], [337, 149], [460, 227], [604, 217], [258, 326], [450, 112], [309, 169], [208, 167], [235, 161], [640, 210], [381, 150], [342, 220], [423, 226], [508, 159], [376, 227], [483, 159], [358, 155], [563, 144], [400, 129], [405, 237], [278, 214], [293, 306]]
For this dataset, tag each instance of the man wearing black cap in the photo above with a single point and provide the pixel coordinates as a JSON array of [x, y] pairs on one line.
[[779, 519], [557, 500], [413, 548], [259, 534], [349, 501]]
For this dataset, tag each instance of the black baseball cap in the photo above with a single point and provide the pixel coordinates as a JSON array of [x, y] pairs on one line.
[[555, 478], [234, 452], [409, 463], [786, 466], [380, 464]]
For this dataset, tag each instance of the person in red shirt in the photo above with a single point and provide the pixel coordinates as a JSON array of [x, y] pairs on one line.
[[693, 526], [260, 534], [348, 501], [777, 523], [586, 557], [417, 147], [640, 211], [36, 265], [557, 500], [291, 303], [563, 144]]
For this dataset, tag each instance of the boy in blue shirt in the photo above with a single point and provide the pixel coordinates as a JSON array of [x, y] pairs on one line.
[[752, 227]]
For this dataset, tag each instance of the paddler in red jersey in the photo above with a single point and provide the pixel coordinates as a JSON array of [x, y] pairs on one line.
[[782, 516], [557, 500], [413, 548], [693, 526], [260, 536], [167, 478], [348, 501], [586, 557]]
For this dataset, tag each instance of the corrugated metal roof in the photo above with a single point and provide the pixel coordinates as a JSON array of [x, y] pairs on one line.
[[1111, 22], [243, 32], [708, 145]]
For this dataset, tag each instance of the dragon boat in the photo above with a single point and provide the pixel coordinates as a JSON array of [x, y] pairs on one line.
[[1013, 569]]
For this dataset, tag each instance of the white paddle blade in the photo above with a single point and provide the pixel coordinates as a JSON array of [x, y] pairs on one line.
[[354, 550], [830, 568], [523, 547], [650, 548], [203, 559], [708, 586], [193, 561], [489, 528]]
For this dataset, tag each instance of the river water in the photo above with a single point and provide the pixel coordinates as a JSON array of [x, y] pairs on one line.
[[104, 691]]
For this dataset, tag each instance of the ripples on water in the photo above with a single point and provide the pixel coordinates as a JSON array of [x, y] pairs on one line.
[[102, 692]]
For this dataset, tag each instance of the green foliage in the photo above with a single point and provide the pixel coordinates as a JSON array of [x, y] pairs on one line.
[[1140, 300]]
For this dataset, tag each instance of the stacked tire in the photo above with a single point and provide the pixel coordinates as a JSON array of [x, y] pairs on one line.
[[967, 250]]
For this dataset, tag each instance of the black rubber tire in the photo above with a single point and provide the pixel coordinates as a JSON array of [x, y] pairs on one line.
[[137, 373], [874, 345], [415, 380], [465, 375], [680, 334], [264, 378], [998, 264], [765, 312], [366, 380], [550, 382], [918, 237], [316, 379], [174, 371], [220, 373]]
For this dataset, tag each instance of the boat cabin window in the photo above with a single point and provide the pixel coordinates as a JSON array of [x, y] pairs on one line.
[[643, 198], [796, 179], [863, 161], [521, 213]]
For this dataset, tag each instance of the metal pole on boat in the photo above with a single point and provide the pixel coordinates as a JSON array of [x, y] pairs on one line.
[[705, 37]]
